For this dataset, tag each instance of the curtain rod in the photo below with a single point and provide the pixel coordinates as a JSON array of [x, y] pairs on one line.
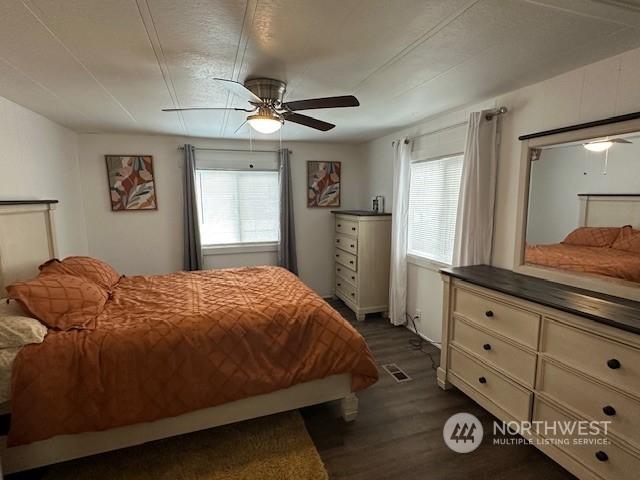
[[580, 126], [181, 147], [489, 115]]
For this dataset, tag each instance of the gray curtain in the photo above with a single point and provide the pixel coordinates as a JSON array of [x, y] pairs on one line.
[[192, 247], [287, 257]]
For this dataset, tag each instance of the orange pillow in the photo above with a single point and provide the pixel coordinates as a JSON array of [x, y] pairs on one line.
[[54, 266], [61, 302], [628, 240], [92, 269], [592, 236]]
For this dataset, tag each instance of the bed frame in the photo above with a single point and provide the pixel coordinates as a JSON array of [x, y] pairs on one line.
[[27, 239], [607, 210]]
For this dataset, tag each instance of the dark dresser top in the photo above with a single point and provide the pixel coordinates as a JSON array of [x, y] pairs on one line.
[[599, 307], [361, 213]]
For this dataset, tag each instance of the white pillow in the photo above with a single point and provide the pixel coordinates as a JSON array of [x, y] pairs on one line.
[[17, 328]]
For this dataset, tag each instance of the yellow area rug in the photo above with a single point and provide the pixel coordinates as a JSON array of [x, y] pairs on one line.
[[276, 447]]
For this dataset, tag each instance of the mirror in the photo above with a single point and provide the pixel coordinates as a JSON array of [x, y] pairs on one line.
[[583, 209]]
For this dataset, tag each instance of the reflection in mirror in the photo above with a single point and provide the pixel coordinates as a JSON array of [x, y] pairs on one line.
[[584, 208]]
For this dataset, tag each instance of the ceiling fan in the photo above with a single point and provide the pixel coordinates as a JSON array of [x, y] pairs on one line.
[[267, 108], [603, 145]]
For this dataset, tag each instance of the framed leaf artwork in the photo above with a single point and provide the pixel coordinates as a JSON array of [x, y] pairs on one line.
[[323, 184], [131, 182]]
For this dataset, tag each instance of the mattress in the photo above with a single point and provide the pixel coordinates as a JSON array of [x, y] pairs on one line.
[[606, 261], [169, 344]]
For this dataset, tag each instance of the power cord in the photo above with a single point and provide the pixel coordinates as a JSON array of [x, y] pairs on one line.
[[418, 343]]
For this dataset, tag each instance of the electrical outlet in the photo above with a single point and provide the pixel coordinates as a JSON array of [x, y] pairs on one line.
[[418, 316]]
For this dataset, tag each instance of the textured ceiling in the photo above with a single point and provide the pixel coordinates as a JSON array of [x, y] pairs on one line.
[[112, 65]]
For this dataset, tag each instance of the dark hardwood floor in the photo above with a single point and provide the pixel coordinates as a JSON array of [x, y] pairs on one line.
[[398, 432]]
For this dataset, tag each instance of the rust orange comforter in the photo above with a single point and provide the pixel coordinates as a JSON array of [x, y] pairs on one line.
[[170, 344], [605, 261]]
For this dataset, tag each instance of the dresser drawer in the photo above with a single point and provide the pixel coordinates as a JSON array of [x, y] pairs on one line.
[[619, 464], [515, 323], [346, 274], [591, 399], [513, 399], [512, 360], [347, 291], [350, 244], [612, 362], [347, 227], [347, 259], [342, 284]]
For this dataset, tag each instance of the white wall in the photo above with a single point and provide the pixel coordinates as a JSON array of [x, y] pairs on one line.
[[562, 173], [151, 242], [39, 160], [600, 90], [145, 242]]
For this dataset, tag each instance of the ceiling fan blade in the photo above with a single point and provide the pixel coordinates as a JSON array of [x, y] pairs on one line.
[[307, 121], [328, 102], [206, 108], [239, 90]]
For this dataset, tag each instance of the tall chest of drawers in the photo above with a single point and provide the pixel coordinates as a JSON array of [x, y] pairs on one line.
[[361, 256], [533, 351]]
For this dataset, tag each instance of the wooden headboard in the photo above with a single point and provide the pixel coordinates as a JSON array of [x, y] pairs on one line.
[[27, 239], [609, 210]]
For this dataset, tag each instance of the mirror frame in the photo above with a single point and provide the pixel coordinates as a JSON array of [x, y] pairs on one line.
[[616, 287]]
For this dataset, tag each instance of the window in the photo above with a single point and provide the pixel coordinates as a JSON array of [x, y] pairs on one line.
[[238, 206], [433, 204]]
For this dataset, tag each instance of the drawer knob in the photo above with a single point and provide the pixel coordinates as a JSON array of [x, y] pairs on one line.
[[486, 346], [488, 313], [337, 240], [351, 262], [482, 380], [613, 363], [339, 284], [339, 225], [353, 294], [353, 228], [353, 246], [339, 269], [337, 254], [600, 455], [609, 411], [352, 277]]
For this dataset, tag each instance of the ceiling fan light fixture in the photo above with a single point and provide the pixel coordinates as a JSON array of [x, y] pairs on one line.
[[266, 95], [598, 146], [265, 122]]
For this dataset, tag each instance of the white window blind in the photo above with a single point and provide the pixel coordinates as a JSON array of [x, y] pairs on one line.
[[433, 204], [238, 206]]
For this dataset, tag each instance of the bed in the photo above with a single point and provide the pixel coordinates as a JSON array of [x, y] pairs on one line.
[[170, 354], [604, 261], [600, 257]]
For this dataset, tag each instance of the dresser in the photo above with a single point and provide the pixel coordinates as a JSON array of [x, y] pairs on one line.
[[361, 256], [530, 350]]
